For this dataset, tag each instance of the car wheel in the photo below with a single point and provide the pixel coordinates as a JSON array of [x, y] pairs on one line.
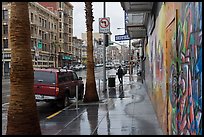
[[66, 101], [63, 102]]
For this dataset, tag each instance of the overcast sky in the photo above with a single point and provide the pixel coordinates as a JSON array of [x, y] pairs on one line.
[[113, 10]]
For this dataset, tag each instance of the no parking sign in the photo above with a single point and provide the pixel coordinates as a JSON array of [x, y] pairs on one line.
[[104, 25]]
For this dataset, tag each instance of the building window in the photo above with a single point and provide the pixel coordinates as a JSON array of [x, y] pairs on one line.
[[60, 14], [31, 30], [49, 25], [35, 30], [5, 29], [40, 20], [43, 47], [60, 35], [70, 30], [5, 14], [60, 4], [7, 56], [55, 26], [51, 36], [5, 43], [45, 36], [60, 25], [40, 33], [31, 17], [45, 23]]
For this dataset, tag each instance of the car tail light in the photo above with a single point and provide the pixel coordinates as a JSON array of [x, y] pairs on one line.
[[57, 91]]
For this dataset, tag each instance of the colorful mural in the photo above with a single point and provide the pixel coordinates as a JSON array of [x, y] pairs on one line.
[[181, 66], [186, 82]]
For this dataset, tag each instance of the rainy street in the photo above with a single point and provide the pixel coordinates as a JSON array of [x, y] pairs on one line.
[[47, 109]]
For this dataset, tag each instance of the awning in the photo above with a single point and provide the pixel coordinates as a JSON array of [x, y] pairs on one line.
[[137, 18]]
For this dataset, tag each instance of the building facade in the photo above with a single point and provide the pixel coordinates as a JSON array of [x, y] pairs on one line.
[[44, 35], [64, 11], [98, 47], [77, 50], [51, 25], [173, 66]]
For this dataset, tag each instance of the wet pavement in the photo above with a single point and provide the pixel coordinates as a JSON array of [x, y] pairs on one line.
[[122, 110]]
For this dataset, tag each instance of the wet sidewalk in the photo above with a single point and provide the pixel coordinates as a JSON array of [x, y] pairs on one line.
[[122, 110]]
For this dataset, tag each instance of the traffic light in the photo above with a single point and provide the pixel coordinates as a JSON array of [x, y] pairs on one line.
[[106, 40]]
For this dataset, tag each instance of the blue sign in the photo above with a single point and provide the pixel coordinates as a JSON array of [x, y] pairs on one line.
[[126, 20], [122, 37]]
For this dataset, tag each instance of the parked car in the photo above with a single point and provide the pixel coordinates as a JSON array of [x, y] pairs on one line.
[[109, 65], [76, 68], [57, 85], [99, 65]]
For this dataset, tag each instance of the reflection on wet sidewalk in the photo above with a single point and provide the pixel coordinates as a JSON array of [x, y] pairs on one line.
[[122, 110]]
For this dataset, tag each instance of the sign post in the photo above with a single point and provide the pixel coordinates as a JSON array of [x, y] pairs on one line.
[[104, 27]]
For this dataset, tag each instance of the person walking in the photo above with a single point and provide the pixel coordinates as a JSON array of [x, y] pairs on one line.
[[120, 74]]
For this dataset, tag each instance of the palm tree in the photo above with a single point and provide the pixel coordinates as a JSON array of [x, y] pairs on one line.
[[90, 91], [22, 111]]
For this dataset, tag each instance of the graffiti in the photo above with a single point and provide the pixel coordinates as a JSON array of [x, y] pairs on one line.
[[173, 97], [159, 61], [185, 87]]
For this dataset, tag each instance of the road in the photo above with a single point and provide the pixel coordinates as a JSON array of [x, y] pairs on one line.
[[46, 109]]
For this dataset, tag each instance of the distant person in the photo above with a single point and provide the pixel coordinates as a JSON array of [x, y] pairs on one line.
[[120, 74]]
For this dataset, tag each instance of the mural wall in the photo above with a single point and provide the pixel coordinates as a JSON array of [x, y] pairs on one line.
[[185, 76]]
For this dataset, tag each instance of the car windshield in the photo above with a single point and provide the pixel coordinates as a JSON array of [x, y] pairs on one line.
[[43, 77]]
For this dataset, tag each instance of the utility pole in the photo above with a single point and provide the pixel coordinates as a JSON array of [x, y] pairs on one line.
[[104, 52]]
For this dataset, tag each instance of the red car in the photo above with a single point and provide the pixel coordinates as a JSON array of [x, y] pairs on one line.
[[57, 85]]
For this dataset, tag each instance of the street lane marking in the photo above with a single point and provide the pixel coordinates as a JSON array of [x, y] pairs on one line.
[[49, 117], [56, 113]]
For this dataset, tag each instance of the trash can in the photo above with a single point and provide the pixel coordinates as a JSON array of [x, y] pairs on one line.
[[111, 81]]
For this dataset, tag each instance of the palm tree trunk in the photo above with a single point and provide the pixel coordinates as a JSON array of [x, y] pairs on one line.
[[90, 91], [22, 111]]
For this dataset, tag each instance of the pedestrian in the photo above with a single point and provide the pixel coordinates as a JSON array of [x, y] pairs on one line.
[[120, 74]]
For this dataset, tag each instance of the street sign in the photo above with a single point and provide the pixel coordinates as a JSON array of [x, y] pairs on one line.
[[122, 37], [104, 25], [40, 44], [67, 58]]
